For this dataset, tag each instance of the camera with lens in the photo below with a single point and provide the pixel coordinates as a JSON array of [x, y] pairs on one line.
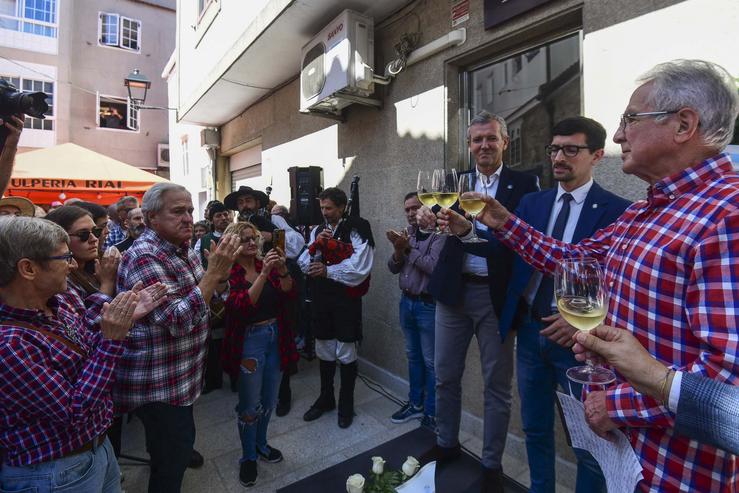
[[15, 102]]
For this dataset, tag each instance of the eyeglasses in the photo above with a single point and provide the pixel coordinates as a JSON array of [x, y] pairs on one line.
[[248, 240], [69, 257], [569, 150], [629, 118], [84, 235]]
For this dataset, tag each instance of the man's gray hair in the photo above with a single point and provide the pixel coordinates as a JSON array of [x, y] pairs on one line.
[[154, 198], [485, 117], [125, 200], [703, 86], [132, 212], [26, 237]]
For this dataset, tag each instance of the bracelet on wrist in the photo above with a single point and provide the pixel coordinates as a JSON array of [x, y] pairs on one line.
[[664, 393]]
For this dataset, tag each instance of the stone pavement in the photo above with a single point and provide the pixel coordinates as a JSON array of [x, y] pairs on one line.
[[307, 447]]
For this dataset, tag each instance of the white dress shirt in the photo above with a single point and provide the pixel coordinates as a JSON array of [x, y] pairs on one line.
[[576, 204], [488, 185]]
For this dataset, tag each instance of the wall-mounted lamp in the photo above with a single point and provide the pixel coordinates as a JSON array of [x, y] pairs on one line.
[[138, 84]]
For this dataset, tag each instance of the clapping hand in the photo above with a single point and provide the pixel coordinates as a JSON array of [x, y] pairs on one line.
[[117, 316], [149, 298], [221, 257]]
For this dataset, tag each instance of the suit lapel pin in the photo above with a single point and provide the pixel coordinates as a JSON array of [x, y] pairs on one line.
[[595, 206], [510, 187]]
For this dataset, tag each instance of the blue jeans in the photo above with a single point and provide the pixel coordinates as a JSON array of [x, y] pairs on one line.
[[259, 383], [417, 322], [95, 471], [541, 365]]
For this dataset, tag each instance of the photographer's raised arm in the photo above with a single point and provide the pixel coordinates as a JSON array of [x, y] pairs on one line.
[[13, 129]]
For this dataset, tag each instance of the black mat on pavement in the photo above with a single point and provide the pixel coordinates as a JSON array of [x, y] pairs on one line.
[[460, 476]]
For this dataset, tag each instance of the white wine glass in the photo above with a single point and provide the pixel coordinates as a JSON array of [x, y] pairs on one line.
[[444, 185], [471, 201], [582, 299], [425, 193]]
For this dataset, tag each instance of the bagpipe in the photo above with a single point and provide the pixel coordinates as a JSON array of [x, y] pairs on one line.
[[332, 251]]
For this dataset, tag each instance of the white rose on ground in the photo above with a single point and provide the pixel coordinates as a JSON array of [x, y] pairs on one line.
[[355, 483], [410, 466], [378, 465]]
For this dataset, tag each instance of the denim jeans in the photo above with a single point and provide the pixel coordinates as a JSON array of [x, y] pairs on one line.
[[95, 471], [170, 437], [542, 364], [417, 322], [259, 383]]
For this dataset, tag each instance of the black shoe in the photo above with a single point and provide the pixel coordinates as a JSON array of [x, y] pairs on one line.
[[440, 454], [317, 410], [283, 408], [196, 460], [345, 421], [248, 473], [272, 456], [492, 480], [322, 405], [429, 422]]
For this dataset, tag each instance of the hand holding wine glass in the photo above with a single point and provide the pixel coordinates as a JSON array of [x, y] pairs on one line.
[[445, 187], [425, 193], [582, 299]]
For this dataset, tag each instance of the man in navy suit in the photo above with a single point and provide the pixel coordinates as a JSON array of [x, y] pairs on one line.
[[469, 284], [574, 210]]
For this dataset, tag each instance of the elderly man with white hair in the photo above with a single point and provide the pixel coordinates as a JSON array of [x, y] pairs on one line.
[[161, 374], [671, 264]]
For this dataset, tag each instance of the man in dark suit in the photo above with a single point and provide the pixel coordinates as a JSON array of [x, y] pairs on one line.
[[469, 284], [573, 210]]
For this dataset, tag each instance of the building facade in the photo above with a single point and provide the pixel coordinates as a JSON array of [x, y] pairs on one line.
[[238, 70], [79, 52]]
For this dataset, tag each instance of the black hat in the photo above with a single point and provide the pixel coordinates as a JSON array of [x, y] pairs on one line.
[[216, 206], [231, 199]]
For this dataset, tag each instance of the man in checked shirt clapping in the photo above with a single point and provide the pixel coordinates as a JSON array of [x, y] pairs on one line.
[[161, 374], [671, 263]]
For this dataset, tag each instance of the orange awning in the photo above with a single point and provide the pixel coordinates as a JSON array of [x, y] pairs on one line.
[[68, 170]]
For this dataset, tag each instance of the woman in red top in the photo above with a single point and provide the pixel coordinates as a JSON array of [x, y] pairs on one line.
[[258, 344]]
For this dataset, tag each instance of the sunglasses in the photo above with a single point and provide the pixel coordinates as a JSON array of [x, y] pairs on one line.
[[84, 235]]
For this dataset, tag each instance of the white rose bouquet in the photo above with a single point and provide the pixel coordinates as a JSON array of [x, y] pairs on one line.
[[382, 481]]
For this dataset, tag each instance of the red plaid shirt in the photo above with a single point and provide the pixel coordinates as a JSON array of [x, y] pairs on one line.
[[166, 349], [53, 400], [672, 264]]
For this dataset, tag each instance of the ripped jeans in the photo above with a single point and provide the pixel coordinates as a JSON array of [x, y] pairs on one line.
[[259, 382]]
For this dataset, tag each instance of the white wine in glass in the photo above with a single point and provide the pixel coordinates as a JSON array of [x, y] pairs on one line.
[[471, 201], [425, 194], [444, 186], [582, 300]]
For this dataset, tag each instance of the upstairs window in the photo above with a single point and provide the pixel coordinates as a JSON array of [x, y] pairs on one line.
[[117, 113], [118, 31], [29, 16]]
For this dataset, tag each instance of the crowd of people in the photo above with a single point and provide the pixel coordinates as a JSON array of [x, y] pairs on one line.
[[137, 310]]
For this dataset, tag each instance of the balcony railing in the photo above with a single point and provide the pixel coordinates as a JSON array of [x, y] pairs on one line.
[[31, 26]]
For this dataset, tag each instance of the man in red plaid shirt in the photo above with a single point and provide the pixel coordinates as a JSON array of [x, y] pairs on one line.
[[671, 262], [161, 373]]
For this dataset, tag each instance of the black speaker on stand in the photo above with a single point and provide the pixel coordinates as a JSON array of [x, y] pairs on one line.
[[305, 185]]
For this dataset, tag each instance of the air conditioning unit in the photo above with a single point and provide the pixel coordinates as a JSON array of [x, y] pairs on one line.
[[162, 155], [338, 64]]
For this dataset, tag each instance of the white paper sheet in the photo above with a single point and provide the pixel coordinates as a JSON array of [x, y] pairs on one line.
[[618, 461], [421, 482]]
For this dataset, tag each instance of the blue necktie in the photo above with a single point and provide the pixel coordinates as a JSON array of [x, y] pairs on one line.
[[543, 300]]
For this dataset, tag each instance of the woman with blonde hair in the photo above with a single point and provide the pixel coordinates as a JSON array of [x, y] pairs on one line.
[[258, 344]]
